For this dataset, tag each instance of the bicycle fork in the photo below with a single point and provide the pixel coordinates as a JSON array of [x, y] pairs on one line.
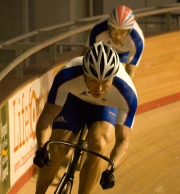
[[68, 176]]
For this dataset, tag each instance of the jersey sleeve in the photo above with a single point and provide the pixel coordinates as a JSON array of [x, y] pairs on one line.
[[127, 117], [56, 90], [60, 89], [100, 27], [128, 105], [137, 47]]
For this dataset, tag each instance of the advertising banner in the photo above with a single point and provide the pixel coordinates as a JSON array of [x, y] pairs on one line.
[[24, 109], [4, 149]]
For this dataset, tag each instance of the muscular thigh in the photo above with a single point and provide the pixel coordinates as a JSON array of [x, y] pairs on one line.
[[101, 123]]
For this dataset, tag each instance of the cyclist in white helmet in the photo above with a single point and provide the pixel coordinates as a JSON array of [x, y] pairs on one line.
[[123, 33], [97, 90]]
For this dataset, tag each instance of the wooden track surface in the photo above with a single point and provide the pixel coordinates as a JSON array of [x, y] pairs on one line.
[[158, 74], [153, 162]]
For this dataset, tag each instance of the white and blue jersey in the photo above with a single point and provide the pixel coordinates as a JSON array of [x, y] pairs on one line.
[[131, 48], [121, 95]]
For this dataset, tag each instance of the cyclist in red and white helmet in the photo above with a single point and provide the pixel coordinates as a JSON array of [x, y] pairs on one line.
[[123, 33]]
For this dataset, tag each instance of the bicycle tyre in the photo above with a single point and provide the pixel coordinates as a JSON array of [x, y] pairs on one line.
[[60, 184], [66, 188]]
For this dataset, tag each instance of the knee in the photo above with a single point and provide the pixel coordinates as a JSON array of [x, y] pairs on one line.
[[100, 135], [97, 144]]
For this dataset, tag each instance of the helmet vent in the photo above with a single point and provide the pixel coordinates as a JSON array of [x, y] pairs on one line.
[[112, 62], [90, 59], [109, 56], [109, 72], [93, 71], [102, 63]]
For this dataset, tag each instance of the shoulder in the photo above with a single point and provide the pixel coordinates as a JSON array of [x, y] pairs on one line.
[[74, 62], [72, 68], [136, 31], [102, 21], [98, 29], [123, 81], [101, 25]]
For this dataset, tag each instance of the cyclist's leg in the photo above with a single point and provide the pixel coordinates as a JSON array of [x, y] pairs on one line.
[[99, 136], [71, 117], [57, 154], [101, 121]]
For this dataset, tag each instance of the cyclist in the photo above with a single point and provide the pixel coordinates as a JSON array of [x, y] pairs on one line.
[[123, 33], [96, 89]]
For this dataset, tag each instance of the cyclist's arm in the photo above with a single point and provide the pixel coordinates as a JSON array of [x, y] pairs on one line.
[[43, 127], [131, 70], [121, 147]]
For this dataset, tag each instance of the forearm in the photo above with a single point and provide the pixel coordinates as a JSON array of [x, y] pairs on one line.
[[119, 153], [43, 132], [121, 147], [131, 70], [43, 127]]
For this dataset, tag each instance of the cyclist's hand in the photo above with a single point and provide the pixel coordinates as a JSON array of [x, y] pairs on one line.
[[41, 157], [107, 180]]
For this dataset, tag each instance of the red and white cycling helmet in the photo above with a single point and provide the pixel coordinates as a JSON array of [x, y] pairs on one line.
[[121, 17], [101, 62]]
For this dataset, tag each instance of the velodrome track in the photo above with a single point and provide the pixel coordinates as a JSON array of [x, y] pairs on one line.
[[153, 163]]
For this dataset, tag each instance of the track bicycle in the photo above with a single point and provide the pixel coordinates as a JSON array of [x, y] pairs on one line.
[[66, 183]]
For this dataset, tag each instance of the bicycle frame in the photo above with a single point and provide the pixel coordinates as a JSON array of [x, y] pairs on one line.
[[66, 181]]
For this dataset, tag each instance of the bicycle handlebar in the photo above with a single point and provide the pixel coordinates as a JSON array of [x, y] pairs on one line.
[[83, 149]]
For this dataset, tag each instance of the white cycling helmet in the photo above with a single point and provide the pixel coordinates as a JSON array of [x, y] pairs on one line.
[[121, 17], [101, 61]]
